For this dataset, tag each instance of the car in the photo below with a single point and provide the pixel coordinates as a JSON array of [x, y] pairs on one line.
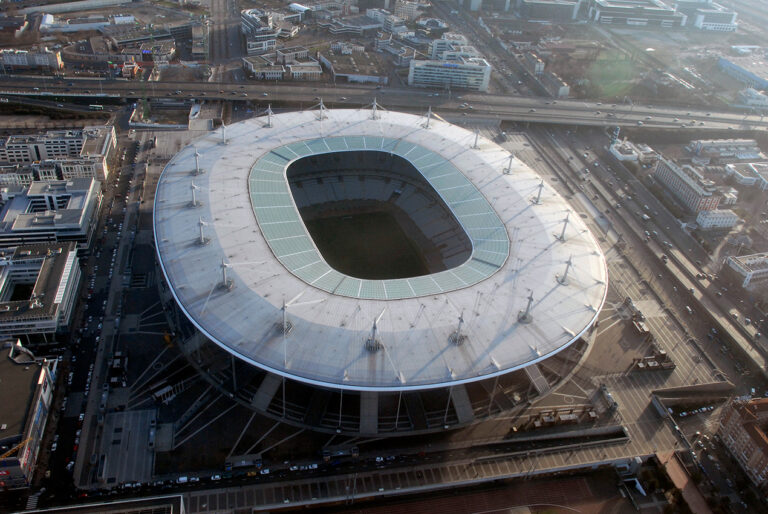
[[264, 471], [54, 446], [194, 479], [265, 94], [215, 478]]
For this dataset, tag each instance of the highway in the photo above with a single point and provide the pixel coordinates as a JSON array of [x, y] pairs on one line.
[[503, 107]]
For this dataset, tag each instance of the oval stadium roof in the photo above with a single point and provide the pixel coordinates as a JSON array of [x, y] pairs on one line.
[[245, 229]]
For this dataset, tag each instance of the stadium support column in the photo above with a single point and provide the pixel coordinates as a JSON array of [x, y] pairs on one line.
[[369, 412], [234, 376], [461, 404]]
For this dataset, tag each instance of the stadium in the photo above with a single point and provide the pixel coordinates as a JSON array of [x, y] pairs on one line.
[[370, 272]]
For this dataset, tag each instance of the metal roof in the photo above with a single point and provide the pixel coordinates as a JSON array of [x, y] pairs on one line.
[[417, 317]]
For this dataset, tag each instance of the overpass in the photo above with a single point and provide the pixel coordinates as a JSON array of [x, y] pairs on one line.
[[505, 108]]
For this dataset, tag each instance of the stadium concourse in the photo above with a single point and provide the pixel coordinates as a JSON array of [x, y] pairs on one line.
[[372, 272]]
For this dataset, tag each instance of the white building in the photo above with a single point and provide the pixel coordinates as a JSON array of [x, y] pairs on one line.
[[752, 268], [465, 73], [717, 219], [448, 42], [75, 153], [44, 59], [627, 151], [406, 10], [753, 98], [749, 173], [49, 212], [38, 289]]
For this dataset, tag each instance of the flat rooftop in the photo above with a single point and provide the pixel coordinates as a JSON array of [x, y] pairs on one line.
[[363, 63], [753, 262], [57, 261], [251, 223], [17, 389]]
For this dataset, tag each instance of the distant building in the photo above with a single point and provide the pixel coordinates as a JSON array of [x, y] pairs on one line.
[[707, 15], [25, 401], [533, 63], [260, 67], [291, 63], [407, 10], [752, 98], [38, 289], [550, 10], [49, 212], [472, 73], [693, 191], [554, 85], [453, 63], [259, 30], [44, 60], [431, 27], [448, 42], [726, 150], [717, 219], [749, 173], [742, 432], [49, 23], [627, 151], [750, 269], [634, 13], [73, 153], [351, 25], [751, 71], [154, 52], [351, 63]]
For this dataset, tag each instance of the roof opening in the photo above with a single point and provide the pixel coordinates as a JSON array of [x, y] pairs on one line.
[[372, 215]]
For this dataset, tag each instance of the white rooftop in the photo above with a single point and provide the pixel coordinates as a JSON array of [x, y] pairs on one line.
[[249, 218]]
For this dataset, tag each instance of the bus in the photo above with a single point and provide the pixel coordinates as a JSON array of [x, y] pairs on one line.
[[96, 107]]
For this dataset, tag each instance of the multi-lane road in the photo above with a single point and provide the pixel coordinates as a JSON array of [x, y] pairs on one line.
[[503, 107]]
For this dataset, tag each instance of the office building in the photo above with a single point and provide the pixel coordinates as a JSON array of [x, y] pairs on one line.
[[550, 10], [473, 73], [707, 15], [75, 153], [694, 192], [634, 13], [38, 289], [750, 269], [38, 60], [49, 212], [742, 431], [751, 174], [750, 97], [717, 219]]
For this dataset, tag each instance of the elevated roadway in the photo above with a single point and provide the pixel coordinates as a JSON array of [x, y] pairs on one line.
[[505, 108]]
